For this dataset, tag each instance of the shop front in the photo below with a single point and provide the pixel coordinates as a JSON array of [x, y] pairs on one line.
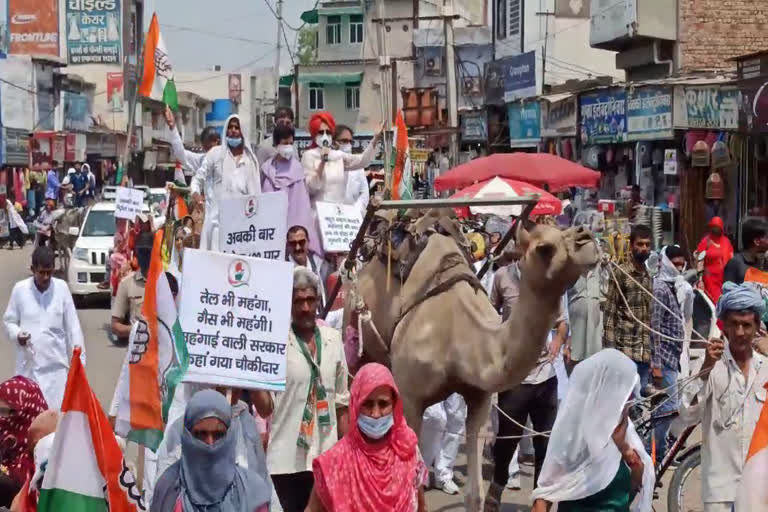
[[473, 137], [558, 125]]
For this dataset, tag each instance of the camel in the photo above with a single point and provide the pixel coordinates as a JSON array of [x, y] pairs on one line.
[[437, 330]]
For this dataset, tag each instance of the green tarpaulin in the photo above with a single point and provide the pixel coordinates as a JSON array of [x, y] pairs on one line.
[[331, 78]]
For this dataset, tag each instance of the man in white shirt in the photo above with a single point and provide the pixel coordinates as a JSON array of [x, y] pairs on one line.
[[728, 397], [298, 252], [42, 323], [190, 161]]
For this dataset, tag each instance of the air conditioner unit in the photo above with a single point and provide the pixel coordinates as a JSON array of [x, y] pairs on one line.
[[433, 61], [471, 86]]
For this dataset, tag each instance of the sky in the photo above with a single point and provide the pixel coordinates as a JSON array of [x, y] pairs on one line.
[[236, 34]]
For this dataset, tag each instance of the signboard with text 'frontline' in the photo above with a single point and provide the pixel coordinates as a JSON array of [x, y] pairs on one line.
[[235, 312], [254, 226]]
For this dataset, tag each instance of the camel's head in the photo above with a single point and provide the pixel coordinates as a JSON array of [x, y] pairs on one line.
[[553, 259]]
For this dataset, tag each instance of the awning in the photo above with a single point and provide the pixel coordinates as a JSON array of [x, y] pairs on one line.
[[312, 17], [330, 78], [286, 80]]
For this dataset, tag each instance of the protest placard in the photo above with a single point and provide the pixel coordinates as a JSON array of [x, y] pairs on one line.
[[254, 226], [128, 203], [235, 312], [339, 224]]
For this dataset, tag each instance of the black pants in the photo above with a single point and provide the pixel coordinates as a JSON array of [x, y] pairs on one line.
[[16, 236], [540, 402], [293, 490]]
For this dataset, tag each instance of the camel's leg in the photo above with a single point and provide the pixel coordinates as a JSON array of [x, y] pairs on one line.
[[414, 412], [478, 409]]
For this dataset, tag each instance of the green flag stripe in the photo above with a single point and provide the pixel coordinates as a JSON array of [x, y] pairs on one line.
[[60, 499], [169, 95]]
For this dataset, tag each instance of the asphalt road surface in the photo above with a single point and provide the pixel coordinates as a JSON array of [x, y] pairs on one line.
[[103, 367]]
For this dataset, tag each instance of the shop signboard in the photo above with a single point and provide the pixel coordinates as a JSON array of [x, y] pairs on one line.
[[558, 118], [474, 127], [709, 107], [76, 111], [16, 146], [93, 31], [603, 116], [649, 113], [524, 124], [753, 85], [519, 76], [33, 27]]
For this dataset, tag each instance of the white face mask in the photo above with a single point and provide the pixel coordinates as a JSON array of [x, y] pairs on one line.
[[346, 148], [285, 151], [323, 140]]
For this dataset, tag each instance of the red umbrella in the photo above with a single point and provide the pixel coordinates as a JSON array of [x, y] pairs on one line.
[[537, 168], [504, 188]]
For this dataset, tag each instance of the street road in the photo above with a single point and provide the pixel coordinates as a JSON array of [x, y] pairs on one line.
[[103, 367]]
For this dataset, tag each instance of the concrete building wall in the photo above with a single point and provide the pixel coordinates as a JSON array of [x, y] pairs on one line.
[[712, 31]]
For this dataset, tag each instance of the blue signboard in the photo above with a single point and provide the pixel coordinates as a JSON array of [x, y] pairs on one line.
[[649, 113], [93, 31], [524, 124], [603, 119], [519, 76], [76, 112]]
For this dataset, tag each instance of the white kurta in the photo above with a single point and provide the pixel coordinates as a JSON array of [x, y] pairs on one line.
[[342, 180], [190, 161], [51, 320], [728, 406], [283, 455]]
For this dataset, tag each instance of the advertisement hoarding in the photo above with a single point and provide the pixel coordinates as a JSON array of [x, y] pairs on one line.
[[93, 31], [34, 27]]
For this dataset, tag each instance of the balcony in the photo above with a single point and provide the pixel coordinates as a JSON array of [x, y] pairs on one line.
[[623, 24]]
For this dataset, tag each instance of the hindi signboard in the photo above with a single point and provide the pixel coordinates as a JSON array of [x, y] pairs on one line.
[[235, 313], [255, 225], [339, 224], [128, 203], [603, 117], [93, 31]]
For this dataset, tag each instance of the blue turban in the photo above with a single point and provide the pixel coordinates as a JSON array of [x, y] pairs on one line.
[[744, 297]]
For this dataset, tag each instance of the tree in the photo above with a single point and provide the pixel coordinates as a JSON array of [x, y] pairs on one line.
[[306, 51]]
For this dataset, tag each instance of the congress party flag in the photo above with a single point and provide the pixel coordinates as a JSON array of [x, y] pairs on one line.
[[157, 81], [753, 492]]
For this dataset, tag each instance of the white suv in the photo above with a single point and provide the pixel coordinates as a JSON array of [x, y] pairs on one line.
[[87, 266]]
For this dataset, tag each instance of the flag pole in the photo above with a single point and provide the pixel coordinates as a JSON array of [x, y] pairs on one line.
[[132, 106]]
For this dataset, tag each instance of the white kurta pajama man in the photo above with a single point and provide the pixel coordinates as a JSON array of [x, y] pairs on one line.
[[51, 320], [728, 406], [222, 175]]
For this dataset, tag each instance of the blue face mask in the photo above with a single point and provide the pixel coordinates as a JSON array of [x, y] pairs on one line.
[[234, 142], [375, 428]]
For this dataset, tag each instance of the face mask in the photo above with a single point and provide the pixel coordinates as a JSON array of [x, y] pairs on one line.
[[285, 151], [640, 257], [346, 148], [323, 140], [375, 428], [234, 142]]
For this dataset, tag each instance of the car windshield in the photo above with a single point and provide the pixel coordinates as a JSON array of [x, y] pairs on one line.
[[100, 223]]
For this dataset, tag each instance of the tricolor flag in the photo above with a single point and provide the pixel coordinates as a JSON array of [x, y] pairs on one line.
[[753, 491], [157, 81], [401, 176], [86, 469], [157, 359]]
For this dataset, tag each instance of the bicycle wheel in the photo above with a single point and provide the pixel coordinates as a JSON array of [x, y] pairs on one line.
[[684, 488]]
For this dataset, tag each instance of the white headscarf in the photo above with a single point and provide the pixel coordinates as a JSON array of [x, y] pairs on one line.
[[582, 458], [683, 290], [237, 183]]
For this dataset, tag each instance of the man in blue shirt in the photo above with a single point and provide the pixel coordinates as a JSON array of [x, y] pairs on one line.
[[79, 182]]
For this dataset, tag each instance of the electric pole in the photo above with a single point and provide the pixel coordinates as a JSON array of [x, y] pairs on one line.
[[546, 15], [277, 54], [451, 89]]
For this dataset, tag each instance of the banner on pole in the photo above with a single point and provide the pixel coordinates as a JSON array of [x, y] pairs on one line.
[[235, 313], [255, 225]]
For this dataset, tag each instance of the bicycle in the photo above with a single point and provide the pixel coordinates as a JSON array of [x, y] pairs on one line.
[[687, 459]]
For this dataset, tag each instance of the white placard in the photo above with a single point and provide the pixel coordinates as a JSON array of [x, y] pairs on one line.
[[339, 224], [254, 226], [235, 312], [670, 161], [128, 203]]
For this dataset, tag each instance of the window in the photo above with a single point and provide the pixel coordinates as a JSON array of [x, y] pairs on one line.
[[515, 16], [501, 19], [333, 30], [353, 96], [316, 96], [100, 223], [356, 29]]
